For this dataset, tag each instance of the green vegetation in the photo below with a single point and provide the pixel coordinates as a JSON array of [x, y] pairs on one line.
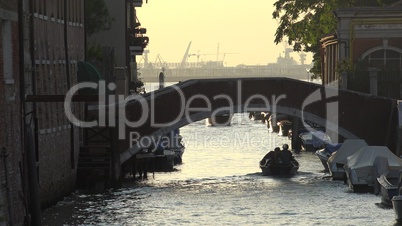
[[304, 23], [97, 16]]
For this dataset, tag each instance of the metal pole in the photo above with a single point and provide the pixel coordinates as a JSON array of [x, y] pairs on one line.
[[9, 205], [35, 208]]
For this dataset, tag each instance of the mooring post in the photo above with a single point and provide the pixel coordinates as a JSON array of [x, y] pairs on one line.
[[399, 136], [162, 79], [296, 145], [116, 165]]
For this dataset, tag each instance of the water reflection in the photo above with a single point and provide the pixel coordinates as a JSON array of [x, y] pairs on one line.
[[223, 185]]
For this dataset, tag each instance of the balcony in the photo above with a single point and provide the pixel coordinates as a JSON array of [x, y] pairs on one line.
[[137, 44], [139, 41], [136, 3]]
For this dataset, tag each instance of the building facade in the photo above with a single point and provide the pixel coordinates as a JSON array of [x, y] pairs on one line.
[[58, 44], [42, 41], [368, 38], [125, 35], [12, 209]]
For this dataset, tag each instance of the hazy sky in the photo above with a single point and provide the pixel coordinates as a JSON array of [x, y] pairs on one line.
[[243, 30]]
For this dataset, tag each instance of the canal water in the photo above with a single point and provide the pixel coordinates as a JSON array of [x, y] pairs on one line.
[[220, 183]]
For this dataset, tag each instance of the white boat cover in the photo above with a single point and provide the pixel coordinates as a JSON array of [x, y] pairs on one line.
[[348, 148], [363, 160]]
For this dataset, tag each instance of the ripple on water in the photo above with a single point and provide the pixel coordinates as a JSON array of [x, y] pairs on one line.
[[207, 191]]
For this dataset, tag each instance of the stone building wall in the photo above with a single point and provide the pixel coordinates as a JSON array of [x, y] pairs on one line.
[[51, 73], [12, 209], [54, 73]]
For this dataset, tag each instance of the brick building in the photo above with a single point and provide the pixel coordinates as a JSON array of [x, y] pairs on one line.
[[42, 41], [11, 156], [58, 44], [367, 38]]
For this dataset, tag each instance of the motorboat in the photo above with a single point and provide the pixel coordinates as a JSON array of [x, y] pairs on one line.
[[337, 160], [175, 144], [273, 120], [271, 168], [257, 116], [279, 163], [284, 127], [220, 120], [150, 160], [163, 162], [361, 168], [314, 140], [160, 158], [179, 151], [397, 206], [325, 153], [389, 186]]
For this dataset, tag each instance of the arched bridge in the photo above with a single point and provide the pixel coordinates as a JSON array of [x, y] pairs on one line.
[[344, 113]]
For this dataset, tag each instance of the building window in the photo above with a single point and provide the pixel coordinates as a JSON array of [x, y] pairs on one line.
[[391, 59]]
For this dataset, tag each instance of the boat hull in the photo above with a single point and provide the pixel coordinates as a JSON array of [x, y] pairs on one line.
[[162, 162], [323, 156], [178, 155], [257, 116], [397, 206], [284, 127], [272, 169], [358, 183], [388, 183], [337, 171]]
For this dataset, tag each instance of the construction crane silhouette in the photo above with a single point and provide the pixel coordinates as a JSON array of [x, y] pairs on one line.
[[160, 63], [184, 61], [185, 57], [198, 55]]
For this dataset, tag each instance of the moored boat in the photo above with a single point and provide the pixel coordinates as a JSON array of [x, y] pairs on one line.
[[325, 153], [175, 143], [313, 141], [397, 206], [362, 166], [178, 150], [257, 116], [272, 123], [389, 186], [284, 127], [163, 162], [338, 159]]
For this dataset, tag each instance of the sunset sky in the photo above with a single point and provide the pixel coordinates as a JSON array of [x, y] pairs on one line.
[[237, 32]]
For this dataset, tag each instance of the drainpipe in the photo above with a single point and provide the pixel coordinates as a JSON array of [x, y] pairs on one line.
[[33, 78], [4, 155], [35, 208], [21, 59], [68, 77], [29, 145], [85, 30]]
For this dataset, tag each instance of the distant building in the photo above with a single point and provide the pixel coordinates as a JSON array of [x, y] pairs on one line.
[[367, 38]]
